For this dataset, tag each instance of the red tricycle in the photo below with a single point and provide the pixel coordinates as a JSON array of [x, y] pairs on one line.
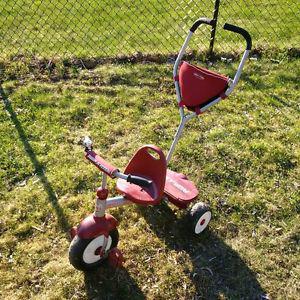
[[147, 180]]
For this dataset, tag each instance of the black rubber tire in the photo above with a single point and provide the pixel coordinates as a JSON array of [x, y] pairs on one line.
[[78, 246], [197, 211]]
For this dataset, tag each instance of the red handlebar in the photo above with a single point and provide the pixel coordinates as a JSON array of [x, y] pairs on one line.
[[101, 164]]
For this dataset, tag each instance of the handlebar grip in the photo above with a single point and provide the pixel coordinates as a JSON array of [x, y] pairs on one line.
[[139, 180], [241, 31], [100, 163], [200, 21]]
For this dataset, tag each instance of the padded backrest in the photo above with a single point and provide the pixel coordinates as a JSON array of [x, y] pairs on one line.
[[199, 85]]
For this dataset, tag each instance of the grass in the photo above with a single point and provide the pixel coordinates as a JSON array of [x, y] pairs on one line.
[[108, 28], [243, 155]]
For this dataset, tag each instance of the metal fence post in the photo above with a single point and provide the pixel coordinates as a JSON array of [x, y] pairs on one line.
[[214, 27]]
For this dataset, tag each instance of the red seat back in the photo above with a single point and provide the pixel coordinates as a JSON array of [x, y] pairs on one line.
[[198, 85], [151, 166]]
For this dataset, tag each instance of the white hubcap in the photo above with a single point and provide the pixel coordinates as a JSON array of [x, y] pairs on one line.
[[203, 222], [89, 254]]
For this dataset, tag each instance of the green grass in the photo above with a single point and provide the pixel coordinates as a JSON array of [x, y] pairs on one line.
[[243, 155], [108, 28]]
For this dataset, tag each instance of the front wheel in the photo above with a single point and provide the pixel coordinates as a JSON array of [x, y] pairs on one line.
[[201, 215], [88, 254]]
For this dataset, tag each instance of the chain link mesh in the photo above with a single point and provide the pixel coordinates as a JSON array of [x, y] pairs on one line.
[[272, 24], [109, 28]]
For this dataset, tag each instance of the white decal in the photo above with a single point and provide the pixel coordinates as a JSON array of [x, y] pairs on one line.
[[198, 76], [177, 185], [98, 164]]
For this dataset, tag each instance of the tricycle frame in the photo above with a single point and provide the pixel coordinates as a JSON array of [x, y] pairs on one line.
[[101, 225]]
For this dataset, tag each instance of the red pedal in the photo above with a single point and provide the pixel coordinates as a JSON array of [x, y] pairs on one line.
[[116, 258], [73, 232]]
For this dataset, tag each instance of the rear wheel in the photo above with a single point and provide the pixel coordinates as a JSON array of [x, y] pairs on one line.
[[200, 214], [88, 254]]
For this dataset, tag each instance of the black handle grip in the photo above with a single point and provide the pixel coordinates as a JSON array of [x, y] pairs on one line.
[[200, 21], [241, 31], [139, 180]]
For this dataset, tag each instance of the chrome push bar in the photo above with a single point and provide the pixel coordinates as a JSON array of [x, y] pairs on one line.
[[233, 83]]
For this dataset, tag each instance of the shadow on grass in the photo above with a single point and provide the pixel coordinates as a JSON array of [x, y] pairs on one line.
[[218, 270], [39, 168], [108, 283]]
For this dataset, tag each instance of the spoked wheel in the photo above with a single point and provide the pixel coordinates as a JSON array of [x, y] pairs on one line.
[[201, 215], [88, 254]]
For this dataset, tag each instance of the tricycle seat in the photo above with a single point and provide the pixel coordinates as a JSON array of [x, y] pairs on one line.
[[148, 162], [179, 190], [137, 194]]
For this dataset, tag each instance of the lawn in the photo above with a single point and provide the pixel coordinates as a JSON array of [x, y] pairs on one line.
[[243, 155], [108, 28]]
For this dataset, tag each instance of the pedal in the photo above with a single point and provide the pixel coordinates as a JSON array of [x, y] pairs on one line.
[[73, 232], [115, 258]]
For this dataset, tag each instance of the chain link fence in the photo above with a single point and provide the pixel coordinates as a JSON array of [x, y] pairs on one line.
[[109, 28]]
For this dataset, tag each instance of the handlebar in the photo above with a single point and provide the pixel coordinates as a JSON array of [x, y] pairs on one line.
[[101, 163], [229, 27], [200, 21], [113, 172], [240, 31], [226, 26]]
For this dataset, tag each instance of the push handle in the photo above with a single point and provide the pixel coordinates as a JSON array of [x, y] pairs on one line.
[[240, 31], [200, 21], [139, 180]]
